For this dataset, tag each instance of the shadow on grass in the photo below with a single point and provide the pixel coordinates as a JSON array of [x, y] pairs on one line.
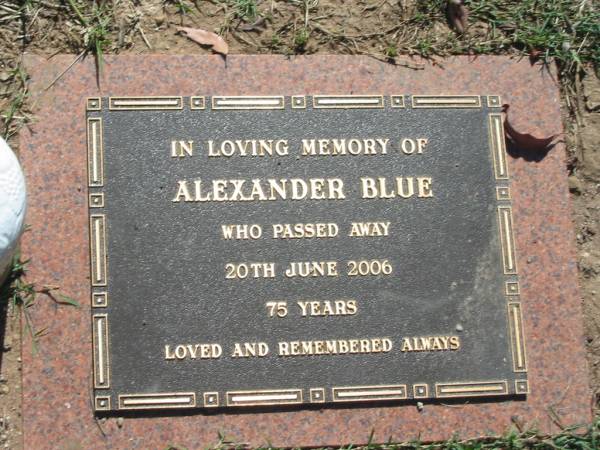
[[5, 290]]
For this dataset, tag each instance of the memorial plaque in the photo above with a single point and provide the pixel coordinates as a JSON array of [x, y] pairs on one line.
[[295, 249]]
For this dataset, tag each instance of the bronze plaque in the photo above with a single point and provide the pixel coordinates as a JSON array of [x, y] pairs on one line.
[[294, 250]]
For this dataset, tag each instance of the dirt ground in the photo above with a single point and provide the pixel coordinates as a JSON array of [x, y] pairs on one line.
[[377, 28], [583, 139]]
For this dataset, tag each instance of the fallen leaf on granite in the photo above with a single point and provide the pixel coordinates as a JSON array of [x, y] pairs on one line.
[[534, 55], [525, 141], [204, 37], [458, 15]]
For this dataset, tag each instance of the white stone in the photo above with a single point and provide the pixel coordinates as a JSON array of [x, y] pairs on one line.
[[13, 201]]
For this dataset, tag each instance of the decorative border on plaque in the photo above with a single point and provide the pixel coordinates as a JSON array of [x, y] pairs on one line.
[[99, 258], [471, 389], [507, 240], [93, 104], [517, 337], [498, 146], [211, 399], [420, 390], [170, 400], [298, 101], [99, 299], [98, 249], [347, 101], [95, 152], [96, 200], [197, 102], [102, 403], [503, 193], [101, 354], [367, 393], [397, 101], [141, 103], [446, 101], [521, 387], [317, 395], [247, 102], [494, 101], [507, 243], [264, 397], [512, 288]]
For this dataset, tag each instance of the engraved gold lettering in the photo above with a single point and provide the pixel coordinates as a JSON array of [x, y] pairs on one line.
[[248, 147], [250, 349], [323, 146], [241, 231], [198, 192], [339, 146], [219, 190], [454, 343], [430, 343], [354, 147], [312, 269], [405, 187], [407, 183], [193, 351], [179, 149], [304, 230], [211, 151], [327, 308], [369, 189], [257, 191], [278, 309], [336, 188], [369, 229], [233, 190], [308, 147], [334, 147], [410, 146], [237, 194], [369, 267], [424, 187], [182, 191], [249, 270], [299, 188], [334, 347], [383, 143], [316, 187]]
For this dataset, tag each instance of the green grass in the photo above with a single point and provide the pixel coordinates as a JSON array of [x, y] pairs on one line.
[[571, 438], [181, 6], [245, 9], [13, 115], [97, 22], [301, 39], [564, 30], [20, 295], [391, 51], [568, 31]]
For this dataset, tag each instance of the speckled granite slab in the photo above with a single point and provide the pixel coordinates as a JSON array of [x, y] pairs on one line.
[[57, 382]]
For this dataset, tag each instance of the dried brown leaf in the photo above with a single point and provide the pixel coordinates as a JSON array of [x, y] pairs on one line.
[[525, 141], [458, 15], [204, 37], [534, 55]]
